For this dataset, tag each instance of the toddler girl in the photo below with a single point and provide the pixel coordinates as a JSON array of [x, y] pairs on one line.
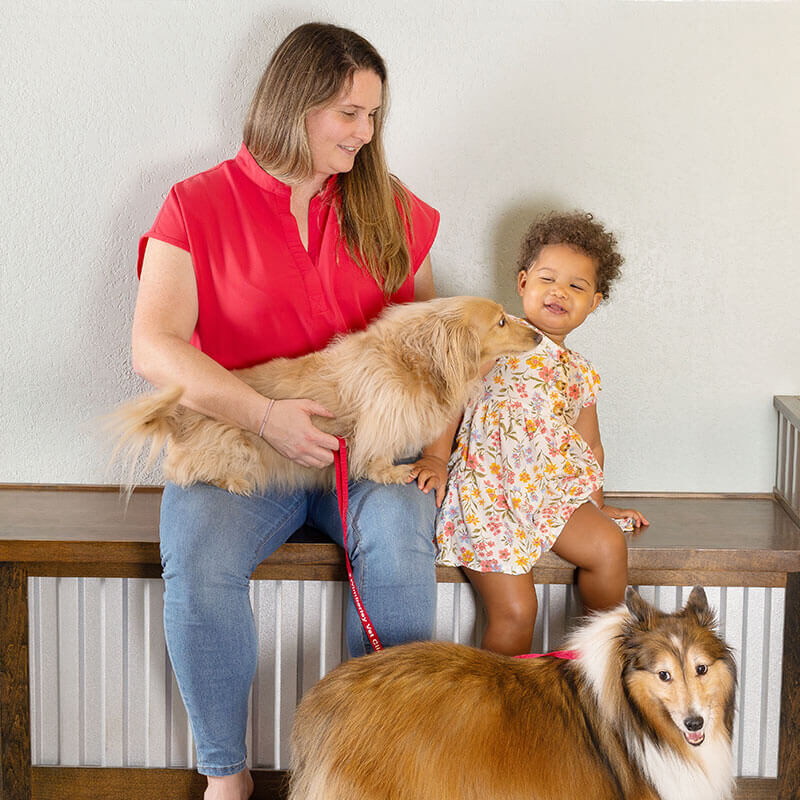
[[526, 475]]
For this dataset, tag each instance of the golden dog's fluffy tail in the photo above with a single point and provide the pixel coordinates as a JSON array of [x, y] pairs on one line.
[[149, 417]]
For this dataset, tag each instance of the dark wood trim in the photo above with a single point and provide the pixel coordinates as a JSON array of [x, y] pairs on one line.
[[89, 783], [323, 561], [157, 489], [80, 487], [15, 740], [610, 495], [639, 576], [93, 531], [306, 571], [788, 740], [118, 783], [125, 569], [756, 789]]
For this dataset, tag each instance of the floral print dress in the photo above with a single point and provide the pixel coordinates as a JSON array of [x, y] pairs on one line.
[[519, 468]]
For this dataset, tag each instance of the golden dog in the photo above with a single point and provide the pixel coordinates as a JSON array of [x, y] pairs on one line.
[[392, 389], [645, 712]]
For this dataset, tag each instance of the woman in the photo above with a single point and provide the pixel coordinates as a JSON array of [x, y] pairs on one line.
[[303, 235]]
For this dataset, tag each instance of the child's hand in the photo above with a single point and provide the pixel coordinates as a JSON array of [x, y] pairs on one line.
[[625, 513], [430, 472]]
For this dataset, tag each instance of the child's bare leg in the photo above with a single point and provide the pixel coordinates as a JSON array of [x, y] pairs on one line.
[[511, 607], [595, 544]]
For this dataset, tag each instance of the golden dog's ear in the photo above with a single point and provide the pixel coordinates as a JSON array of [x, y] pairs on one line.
[[442, 344], [456, 350]]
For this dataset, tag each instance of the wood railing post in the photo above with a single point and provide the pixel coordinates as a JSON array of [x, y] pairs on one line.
[[789, 732], [15, 729]]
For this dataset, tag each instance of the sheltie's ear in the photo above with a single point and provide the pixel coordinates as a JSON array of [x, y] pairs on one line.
[[697, 601], [641, 609], [697, 604]]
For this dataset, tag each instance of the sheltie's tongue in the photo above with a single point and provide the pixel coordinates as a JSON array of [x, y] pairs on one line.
[[694, 738]]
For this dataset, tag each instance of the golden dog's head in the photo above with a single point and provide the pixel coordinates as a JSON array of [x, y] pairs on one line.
[[455, 336], [498, 333]]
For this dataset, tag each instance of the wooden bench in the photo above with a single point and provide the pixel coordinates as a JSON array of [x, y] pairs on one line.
[[731, 540]]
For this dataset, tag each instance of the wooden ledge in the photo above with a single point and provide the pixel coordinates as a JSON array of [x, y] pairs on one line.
[[726, 540]]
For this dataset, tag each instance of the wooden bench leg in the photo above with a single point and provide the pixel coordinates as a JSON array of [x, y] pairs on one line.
[[789, 743], [15, 728]]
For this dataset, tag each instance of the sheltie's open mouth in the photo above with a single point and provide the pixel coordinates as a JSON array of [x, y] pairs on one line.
[[694, 738]]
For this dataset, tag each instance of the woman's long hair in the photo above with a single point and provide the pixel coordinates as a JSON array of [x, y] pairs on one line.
[[307, 71]]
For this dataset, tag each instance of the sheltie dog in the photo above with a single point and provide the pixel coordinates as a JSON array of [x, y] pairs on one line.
[[392, 389], [645, 712]]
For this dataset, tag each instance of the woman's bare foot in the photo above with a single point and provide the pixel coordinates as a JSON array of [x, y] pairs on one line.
[[230, 787]]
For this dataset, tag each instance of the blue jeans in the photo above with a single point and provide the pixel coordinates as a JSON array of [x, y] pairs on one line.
[[212, 540]]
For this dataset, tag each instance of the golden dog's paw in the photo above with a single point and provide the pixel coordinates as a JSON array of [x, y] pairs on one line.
[[389, 473], [240, 486]]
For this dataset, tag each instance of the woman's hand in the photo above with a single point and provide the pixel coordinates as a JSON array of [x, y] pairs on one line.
[[430, 472], [625, 513], [291, 432]]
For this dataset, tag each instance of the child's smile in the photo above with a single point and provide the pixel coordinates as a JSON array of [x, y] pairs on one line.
[[559, 290]]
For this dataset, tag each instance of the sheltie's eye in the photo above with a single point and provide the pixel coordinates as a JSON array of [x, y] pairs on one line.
[[701, 669], [502, 322], [664, 676]]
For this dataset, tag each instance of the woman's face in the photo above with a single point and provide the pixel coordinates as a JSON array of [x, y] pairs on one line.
[[340, 129]]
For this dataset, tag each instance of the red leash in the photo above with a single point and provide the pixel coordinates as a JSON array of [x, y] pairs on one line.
[[340, 461]]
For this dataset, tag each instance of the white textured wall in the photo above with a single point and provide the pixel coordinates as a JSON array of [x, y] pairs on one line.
[[677, 123]]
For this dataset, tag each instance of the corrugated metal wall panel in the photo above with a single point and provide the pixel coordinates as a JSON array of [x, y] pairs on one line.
[[103, 693]]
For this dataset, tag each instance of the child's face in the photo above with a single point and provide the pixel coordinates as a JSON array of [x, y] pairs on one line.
[[559, 290]]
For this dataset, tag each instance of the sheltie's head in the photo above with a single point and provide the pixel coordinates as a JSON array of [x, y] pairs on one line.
[[678, 672]]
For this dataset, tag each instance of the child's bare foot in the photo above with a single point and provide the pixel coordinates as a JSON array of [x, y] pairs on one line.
[[230, 787]]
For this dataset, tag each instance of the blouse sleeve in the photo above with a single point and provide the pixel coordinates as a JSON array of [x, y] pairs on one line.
[[422, 230], [169, 227]]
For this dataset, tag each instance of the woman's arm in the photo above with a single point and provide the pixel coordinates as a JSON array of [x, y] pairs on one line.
[[423, 281], [588, 426], [163, 322]]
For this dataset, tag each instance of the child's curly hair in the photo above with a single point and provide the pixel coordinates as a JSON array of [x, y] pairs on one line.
[[579, 230]]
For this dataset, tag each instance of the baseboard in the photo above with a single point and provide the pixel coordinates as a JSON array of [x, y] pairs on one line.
[[111, 783]]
